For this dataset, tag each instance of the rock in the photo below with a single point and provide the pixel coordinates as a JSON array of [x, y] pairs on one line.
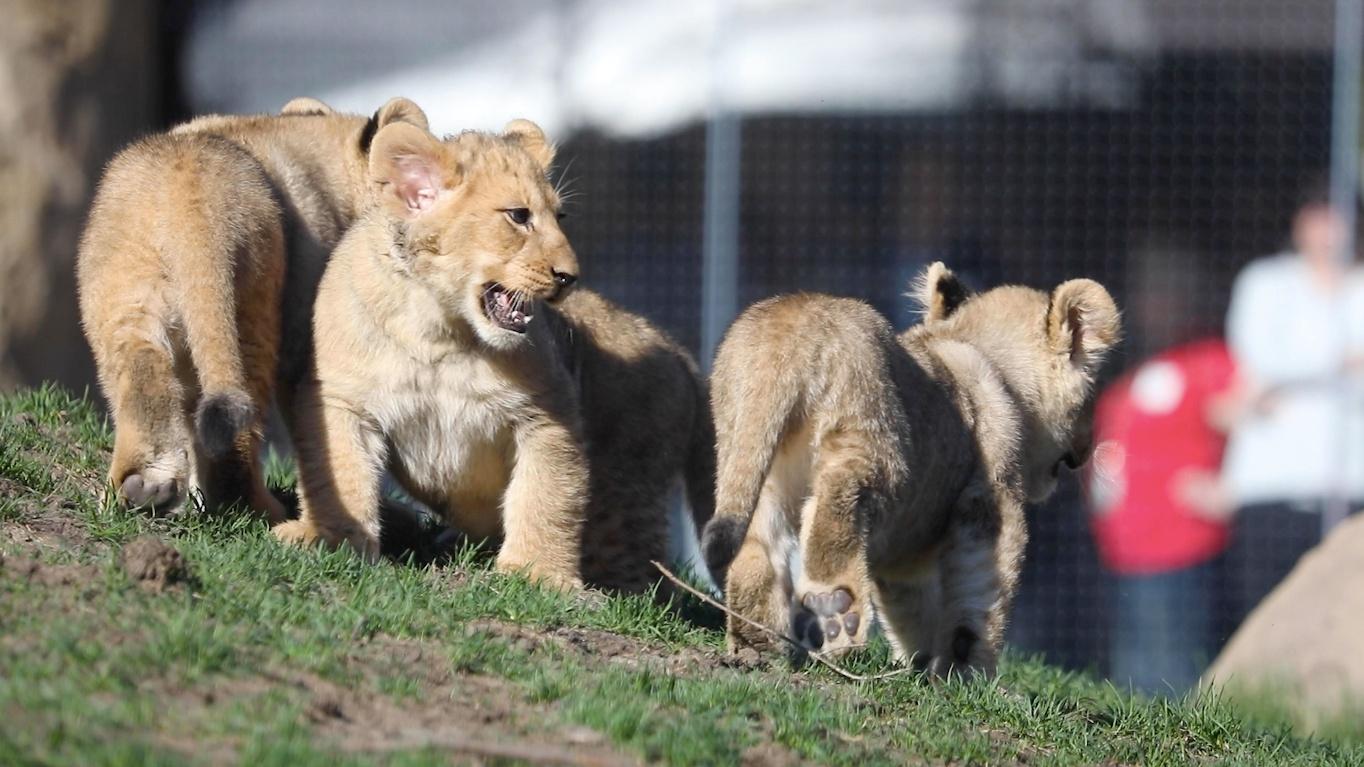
[[1302, 644]]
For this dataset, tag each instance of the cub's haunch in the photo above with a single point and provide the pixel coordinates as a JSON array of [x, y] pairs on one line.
[[861, 474], [450, 351], [196, 267]]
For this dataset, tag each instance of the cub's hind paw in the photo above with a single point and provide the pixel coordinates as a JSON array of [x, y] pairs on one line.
[[139, 491], [829, 620]]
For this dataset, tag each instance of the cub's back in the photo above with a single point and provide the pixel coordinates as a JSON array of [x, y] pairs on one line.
[[815, 352], [166, 200], [635, 380]]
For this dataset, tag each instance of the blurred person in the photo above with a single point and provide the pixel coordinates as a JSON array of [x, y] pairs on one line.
[[1296, 329], [1160, 513]]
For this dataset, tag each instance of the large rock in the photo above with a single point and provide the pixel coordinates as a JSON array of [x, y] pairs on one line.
[[1303, 646], [78, 78]]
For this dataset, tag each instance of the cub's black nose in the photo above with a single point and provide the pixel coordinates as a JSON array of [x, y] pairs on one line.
[[563, 279]]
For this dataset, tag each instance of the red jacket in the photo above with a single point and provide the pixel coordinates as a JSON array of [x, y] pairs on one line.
[[1150, 425]]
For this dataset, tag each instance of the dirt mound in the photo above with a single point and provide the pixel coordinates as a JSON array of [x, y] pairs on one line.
[[154, 564], [1302, 642]]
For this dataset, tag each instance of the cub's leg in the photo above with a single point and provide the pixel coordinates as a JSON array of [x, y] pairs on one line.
[[758, 581], [908, 608], [340, 464], [152, 436], [238, 474], [830, 611], [632, 481], [626, 532], [545, 503], [969, 632]]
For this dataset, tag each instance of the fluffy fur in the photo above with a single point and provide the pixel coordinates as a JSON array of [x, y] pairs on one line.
[[560, 435], [863, 474], [181, 272]]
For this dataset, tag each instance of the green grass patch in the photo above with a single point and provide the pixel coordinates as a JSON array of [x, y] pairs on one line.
[[279, 656]]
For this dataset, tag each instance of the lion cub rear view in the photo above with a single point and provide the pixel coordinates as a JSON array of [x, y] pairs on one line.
[[861, 474], [449, 350], [195, 272]]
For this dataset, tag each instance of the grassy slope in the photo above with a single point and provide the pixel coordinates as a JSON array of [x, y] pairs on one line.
[[275, 656]]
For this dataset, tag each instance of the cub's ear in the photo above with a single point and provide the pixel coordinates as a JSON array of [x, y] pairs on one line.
[[938, 292], [399, 109], [306, 105], [531, 139], [395, 110], [1083, 322], [407, 163]]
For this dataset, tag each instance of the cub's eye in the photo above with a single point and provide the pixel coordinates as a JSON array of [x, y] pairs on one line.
[[518, 216]]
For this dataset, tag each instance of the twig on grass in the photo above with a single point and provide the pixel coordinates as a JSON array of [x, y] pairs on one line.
[[819, 657]]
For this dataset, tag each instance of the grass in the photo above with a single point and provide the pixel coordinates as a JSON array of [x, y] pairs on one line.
[[277, 656]]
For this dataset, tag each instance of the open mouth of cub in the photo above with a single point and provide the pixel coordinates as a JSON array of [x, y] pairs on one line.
[[505, 309]]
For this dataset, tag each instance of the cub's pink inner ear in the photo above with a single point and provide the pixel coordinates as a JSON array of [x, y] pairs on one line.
[[416, 181]]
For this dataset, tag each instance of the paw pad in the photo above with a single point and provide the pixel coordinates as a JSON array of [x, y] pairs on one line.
[[138, 492], [827, 620]]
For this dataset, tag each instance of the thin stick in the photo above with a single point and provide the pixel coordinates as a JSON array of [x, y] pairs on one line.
[[818, 656]]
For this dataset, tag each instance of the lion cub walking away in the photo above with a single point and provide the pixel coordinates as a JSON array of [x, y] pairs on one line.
[[861, 474], [181, 271], [560, 431]]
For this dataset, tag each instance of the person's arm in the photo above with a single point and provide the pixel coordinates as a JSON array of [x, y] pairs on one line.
[[1270, 353]]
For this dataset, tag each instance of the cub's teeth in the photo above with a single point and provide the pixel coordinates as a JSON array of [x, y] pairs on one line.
[[526, 318]]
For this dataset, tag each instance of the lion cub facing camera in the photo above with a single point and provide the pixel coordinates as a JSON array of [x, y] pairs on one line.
[[449, 350], [862, 474]]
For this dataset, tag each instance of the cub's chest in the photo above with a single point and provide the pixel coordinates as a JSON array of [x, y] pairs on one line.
[[437, 417]]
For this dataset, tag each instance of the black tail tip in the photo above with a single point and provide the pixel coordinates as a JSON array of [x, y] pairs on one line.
[[220, 419], [720, 544]]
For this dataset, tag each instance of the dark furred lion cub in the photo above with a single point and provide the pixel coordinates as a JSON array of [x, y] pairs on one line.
[[862, 474]]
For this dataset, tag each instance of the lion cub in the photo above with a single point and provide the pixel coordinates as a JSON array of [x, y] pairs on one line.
[[862, 474], [449, 350], [181, 273]]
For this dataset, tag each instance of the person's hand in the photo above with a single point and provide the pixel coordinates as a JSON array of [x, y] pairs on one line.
[[1203, 493]]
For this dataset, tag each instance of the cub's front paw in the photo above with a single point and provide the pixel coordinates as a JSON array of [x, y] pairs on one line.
[[568, 583], [964, 654], [829, 619], [298, 532]]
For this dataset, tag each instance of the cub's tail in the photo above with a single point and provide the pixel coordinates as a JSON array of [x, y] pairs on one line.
[[751, 405]]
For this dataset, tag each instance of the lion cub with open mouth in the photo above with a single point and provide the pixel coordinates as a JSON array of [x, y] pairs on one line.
[[448, 350], [860, 473]]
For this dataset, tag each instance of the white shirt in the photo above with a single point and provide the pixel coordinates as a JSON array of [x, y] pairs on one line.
[[1284, 331]]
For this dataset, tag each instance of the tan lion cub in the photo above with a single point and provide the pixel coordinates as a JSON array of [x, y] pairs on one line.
[[181, 273], [558, 430], [861, 474]]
